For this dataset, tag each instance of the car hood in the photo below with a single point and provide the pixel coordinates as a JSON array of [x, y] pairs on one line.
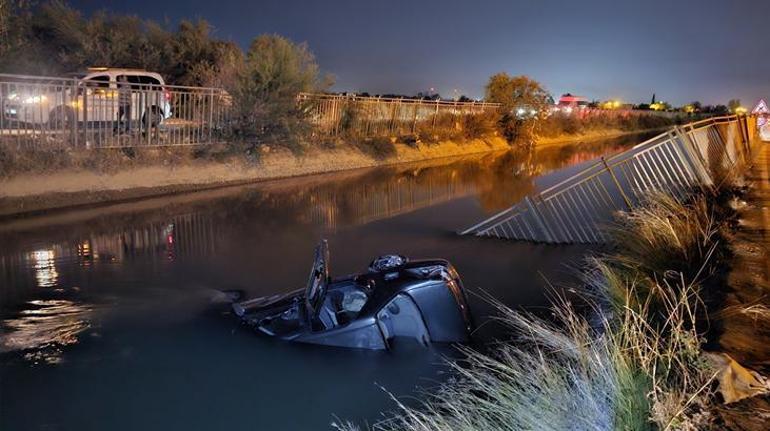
[[278, 315]]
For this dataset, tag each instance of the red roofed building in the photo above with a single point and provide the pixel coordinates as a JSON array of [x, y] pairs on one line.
[[572, 101]]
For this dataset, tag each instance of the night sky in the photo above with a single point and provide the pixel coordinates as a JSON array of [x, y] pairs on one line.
[[682, 50]]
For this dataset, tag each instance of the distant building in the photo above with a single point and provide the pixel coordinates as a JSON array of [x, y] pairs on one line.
[[571, 101]]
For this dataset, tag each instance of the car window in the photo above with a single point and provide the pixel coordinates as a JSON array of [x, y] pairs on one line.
[[100, 81], [140, 79]]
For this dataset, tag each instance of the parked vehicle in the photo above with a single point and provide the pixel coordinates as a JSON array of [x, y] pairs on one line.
[[90, 96], [423, 300]]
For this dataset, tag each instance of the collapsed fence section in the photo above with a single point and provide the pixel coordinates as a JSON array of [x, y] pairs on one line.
[[46, 112], [382, 116], [675, 163]]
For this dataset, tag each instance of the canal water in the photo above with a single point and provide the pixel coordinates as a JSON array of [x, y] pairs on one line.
[[110, 319]]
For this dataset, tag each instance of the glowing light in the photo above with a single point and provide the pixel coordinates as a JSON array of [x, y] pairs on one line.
[[741, 110], [45, 270], [35, 100], [520, 111]]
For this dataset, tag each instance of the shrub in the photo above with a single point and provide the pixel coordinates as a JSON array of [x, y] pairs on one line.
[[275, 71], [478, 125], [379, 147]]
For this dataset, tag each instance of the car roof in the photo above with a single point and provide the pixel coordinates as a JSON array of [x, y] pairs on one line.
[[386, 288], [116, 71]]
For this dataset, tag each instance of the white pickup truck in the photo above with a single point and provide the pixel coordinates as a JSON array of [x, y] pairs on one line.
[[90, 96]]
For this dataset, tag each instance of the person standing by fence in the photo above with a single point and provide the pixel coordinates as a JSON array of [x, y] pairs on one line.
[[124, 105]]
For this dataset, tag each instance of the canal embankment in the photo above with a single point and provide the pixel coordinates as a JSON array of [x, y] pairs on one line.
[[46, 180], [116, 174]]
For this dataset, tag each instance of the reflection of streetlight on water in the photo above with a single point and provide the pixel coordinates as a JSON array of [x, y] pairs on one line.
[[45, 270]]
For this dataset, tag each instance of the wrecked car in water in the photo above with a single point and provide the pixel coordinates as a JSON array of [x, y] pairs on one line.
[[423, 300]]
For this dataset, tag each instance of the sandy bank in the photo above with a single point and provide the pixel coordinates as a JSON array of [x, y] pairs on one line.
[[36, 192], [545, 142]]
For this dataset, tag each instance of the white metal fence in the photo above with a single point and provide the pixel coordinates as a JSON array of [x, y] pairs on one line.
[[48, 112], [675, 162], [381, 116]]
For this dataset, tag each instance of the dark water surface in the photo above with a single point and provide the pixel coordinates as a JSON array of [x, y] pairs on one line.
[[107, 317]]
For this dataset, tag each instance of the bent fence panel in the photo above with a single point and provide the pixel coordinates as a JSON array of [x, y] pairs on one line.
[[41, 112], [673, 163]]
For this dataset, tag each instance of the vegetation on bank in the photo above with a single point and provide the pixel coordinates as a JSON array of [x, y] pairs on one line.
[[568, 125], [52, 38], [625, 354]]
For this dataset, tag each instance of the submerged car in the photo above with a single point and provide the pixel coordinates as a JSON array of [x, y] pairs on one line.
[[423, 300]]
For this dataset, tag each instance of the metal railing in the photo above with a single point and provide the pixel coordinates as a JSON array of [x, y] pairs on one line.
[[48, 112], [381, 116], [675, 163]]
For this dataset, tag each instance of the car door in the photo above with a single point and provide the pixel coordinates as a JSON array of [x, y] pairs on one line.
[[401, 317], [145, 93]]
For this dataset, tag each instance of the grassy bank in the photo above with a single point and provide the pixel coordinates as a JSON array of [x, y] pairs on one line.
[[627, 353]]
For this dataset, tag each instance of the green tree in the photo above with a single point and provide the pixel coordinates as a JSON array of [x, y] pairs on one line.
[[5, 17], [518, 96], [733, 104], [517, 92], [275, 71], [53, 38]]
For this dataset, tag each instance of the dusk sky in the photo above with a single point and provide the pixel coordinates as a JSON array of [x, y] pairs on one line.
[[682, 50]]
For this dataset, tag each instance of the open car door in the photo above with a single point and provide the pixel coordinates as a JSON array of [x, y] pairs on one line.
[[318, 281]]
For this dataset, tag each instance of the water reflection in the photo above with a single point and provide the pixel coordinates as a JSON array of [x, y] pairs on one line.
[[45, 269], [56, 253], [42, 329], [141, 274]]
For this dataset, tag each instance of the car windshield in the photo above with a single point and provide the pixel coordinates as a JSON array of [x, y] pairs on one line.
[[318, 281]]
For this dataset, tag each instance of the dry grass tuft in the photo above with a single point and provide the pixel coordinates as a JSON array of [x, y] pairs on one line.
[[637, 365], [621, 373]]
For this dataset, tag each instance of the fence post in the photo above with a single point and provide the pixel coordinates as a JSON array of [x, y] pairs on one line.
[[414, 119], [617, 183], [211, 115], [85, 90], [435, 116], [392, 123], [696, 158], [77, 107]]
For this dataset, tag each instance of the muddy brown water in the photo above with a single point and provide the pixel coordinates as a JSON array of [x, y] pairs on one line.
[[107, 314]]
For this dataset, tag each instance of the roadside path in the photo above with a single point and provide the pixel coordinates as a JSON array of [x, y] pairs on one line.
[[746, 317]]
